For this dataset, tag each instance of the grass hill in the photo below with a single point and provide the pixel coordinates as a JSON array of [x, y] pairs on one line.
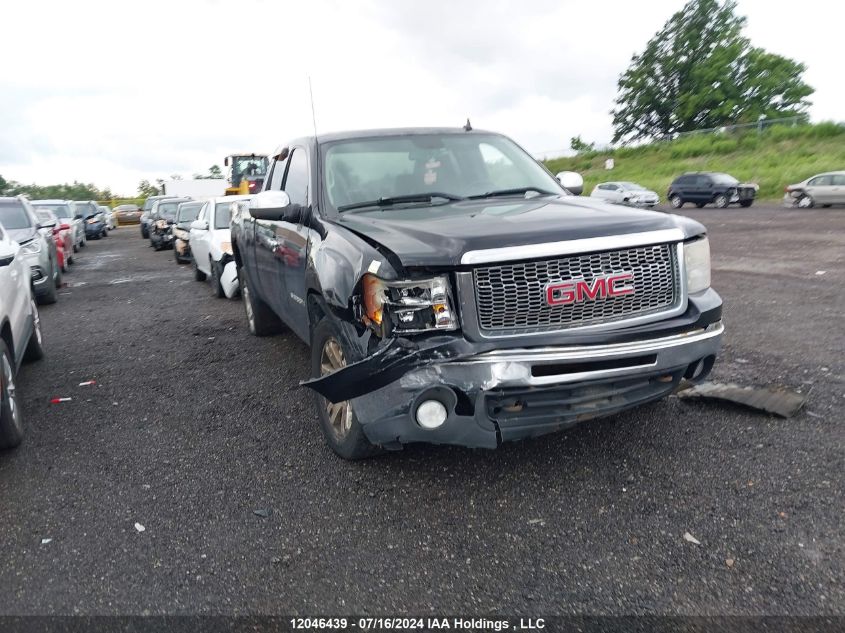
[[773, 158]]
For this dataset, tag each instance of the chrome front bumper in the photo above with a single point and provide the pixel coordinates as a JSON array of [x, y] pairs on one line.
[[511, 394]]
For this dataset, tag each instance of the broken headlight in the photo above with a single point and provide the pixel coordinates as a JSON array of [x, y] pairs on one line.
[[408, 306]]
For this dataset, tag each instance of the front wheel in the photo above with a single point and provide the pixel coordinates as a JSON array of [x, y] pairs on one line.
[[341, 428], [35, 347], [676, 201], [198, 274], [721, 201], [11, 425], [261, 320], [216, 288], [806, 202]]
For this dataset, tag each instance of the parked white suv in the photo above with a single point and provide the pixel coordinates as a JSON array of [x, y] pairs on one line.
[[20, 334], [211, 244]]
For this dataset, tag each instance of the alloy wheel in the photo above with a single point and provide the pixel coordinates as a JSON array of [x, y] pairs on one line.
[[339, 413], [9, 391]]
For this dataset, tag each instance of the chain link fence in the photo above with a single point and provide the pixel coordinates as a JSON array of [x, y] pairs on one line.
[[761, 124]]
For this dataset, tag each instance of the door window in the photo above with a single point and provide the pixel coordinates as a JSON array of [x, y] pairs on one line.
[[820, 181], [838, 180], [296, 180], [278, 173]]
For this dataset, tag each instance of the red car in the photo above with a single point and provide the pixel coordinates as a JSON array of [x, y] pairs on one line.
[[62, 236]]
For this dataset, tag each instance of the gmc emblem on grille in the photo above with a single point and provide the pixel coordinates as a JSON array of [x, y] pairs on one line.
[[562, 293]]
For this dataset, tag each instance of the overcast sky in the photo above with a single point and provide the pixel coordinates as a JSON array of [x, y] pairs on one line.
[[112, 92]]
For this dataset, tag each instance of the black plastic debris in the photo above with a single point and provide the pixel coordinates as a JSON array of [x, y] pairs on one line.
[[780, 401], [263, 512]]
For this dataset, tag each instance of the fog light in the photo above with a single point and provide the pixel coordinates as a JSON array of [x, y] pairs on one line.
[[431, 414]]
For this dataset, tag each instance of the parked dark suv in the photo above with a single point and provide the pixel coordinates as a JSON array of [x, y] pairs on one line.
[[454, 291], [702, 188]]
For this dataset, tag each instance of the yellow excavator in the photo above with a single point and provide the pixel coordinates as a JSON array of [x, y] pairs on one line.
[[245, 173]]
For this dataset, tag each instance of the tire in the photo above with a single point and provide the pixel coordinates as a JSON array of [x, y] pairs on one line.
[[35, 347], [721, 201], [176, 256], [11, 425], [216, 288], [83, 242], [145, 234], [71, 259], [676, 201], [342, 431], [806, 202], [260, 319], [57, 277], [745, 203], [75, 248], [52, 294], [699, 205], [198, 274], [826, 206]]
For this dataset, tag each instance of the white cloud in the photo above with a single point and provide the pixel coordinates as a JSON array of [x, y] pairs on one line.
[[111, 93]]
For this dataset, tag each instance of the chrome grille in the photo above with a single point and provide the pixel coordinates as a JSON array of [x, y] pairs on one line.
[[513, 297]]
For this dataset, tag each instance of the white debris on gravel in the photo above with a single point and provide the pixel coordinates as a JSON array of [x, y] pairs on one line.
[[689, 538], [139, 527]]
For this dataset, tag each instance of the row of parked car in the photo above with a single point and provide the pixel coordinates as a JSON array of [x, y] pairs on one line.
[[39, 240], [198, 233], [722, 190]]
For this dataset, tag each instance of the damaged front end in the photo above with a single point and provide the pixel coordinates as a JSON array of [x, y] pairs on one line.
[[421, 377]]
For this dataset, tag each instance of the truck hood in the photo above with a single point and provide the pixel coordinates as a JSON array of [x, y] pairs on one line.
[[440, 235]]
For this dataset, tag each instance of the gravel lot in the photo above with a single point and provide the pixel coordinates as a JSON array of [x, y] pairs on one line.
[[193, 425]]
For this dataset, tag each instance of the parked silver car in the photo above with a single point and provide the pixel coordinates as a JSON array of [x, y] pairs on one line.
[[66, 212], [38, 249], [625, 193], [108, 216], [820, 190]]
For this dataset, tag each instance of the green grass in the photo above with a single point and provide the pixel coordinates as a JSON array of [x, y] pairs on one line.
[[777, 157]]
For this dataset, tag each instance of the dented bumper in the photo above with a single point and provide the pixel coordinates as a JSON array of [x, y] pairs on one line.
[[507, 394]]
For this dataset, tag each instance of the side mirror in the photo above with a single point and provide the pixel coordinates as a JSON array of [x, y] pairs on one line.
[[199, 225], [274, 206], [78, 216], [572, 182]]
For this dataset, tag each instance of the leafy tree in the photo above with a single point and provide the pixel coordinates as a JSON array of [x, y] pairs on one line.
[[145, 189], [699, 71], [213, 172], [578, 146], [3, 185]]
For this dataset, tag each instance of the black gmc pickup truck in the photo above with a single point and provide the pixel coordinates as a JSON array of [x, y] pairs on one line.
[[453, 291]]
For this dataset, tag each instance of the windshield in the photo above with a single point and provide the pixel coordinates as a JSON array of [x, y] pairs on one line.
[[44, 216], [459, 165], [222, 215], [249, 166], [724, 179], [14, 216], [188, 212], [167, 210], [86, 210], [61, 210]]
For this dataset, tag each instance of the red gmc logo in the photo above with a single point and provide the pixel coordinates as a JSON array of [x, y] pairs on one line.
[[564, 293]]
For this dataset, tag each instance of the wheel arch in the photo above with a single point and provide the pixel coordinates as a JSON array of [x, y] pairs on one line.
[[6, 336]]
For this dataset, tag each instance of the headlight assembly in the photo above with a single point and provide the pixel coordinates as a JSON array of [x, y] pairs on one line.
[[32, 247], [697, 263], [408, 306]]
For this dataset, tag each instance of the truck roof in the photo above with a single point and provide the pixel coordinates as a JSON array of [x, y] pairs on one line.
[[331, 137]]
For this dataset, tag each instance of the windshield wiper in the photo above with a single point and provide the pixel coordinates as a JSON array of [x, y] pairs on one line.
[[391, 200], [511, 192]]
